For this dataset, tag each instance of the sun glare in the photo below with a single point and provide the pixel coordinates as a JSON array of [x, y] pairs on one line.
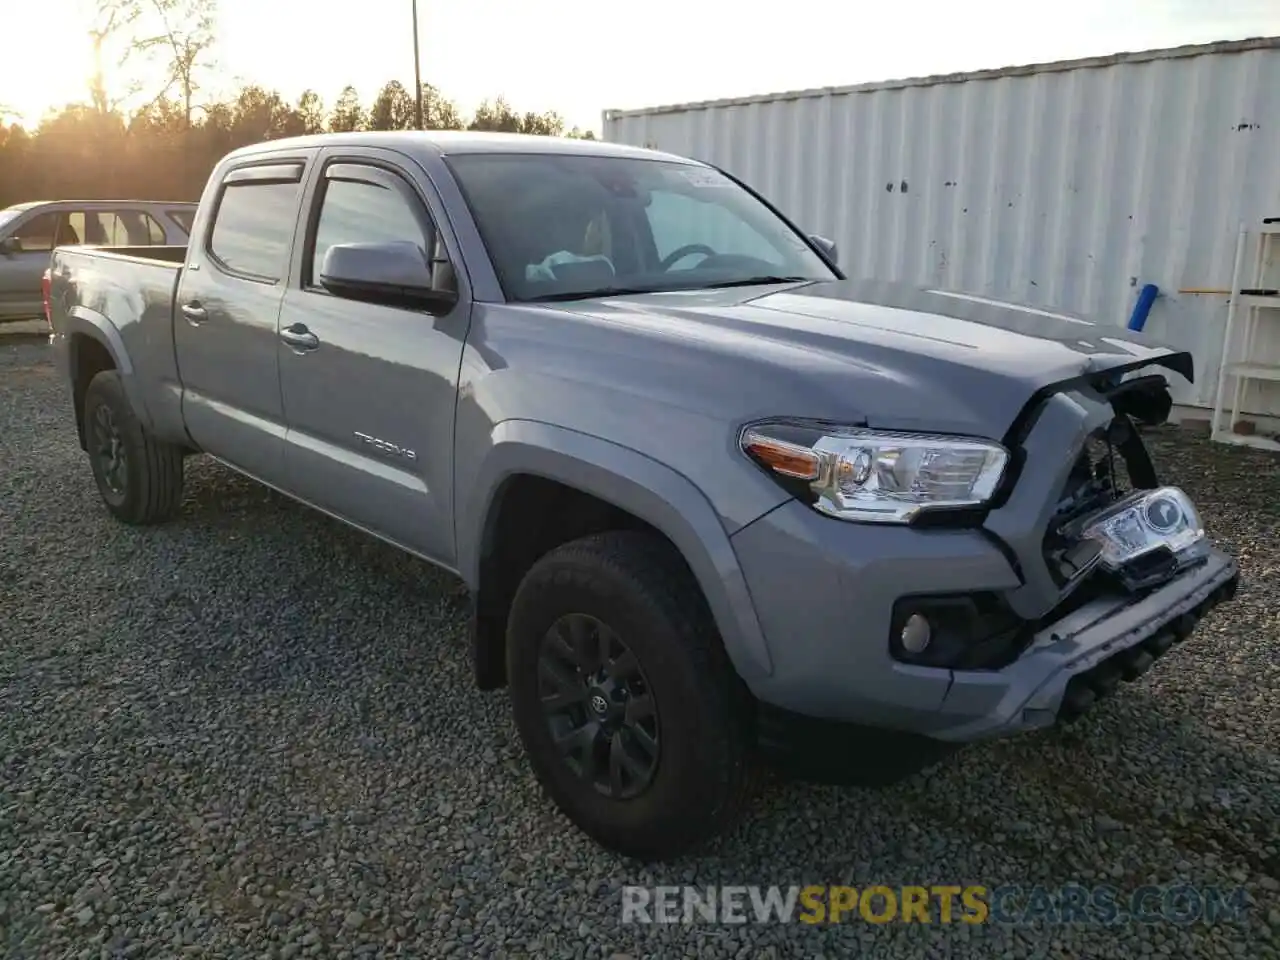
[[31, 82], [34, 82]]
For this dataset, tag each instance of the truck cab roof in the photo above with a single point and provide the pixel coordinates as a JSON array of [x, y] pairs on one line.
[[454, 142]]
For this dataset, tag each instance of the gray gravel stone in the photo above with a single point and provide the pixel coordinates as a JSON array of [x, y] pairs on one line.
[[252, 733]]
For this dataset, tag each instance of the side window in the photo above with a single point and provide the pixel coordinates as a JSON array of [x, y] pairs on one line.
[[74, 229], [97, 228], [130, 228], [37, 235], [253, 226], [364, 211], [183, 218], [104, 228], [155, 233], [677, 220]]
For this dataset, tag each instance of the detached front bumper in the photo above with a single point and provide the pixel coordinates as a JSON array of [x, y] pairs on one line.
[[1078, 660], [825, 592], [1068, 667]]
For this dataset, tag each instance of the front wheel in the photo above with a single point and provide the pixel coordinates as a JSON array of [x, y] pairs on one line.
[[139, 478], [629, 710]]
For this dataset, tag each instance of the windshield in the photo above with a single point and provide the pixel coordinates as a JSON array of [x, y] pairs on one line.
[[8, 216], [560, 227]]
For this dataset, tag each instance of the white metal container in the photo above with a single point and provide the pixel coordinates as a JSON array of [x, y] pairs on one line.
[[1065, 185]]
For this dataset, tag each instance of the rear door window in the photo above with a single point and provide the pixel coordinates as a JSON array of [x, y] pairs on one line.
[[76, 228], [131, 228], [89, 227], [107, 228], [253, 227]]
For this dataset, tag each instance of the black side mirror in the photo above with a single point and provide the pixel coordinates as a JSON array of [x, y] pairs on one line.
[[828, 247], [395, 274], [10, 245]]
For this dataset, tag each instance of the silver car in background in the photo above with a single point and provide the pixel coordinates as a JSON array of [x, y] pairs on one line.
[[30, 231]]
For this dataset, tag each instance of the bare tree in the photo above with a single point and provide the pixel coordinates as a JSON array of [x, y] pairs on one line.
[[109, 18], [185, 32]]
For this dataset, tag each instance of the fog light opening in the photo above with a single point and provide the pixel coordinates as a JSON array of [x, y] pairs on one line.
[[916, 634]]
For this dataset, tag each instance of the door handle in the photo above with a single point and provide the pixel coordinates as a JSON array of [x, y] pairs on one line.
[[297, 335], [194, 312]]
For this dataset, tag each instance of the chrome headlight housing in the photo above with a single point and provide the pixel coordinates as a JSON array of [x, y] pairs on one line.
[[873, 476], [1142, 523]]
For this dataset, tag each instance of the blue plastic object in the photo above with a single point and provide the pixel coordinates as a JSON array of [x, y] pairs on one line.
[[1146, 297]]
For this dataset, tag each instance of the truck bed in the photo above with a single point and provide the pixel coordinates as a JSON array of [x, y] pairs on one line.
[[127, 294], [124, 285]]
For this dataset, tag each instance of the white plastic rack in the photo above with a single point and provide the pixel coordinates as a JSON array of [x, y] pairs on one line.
[[1244, 357]]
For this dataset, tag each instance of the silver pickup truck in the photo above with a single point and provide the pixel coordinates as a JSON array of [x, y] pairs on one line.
[[715, 503]]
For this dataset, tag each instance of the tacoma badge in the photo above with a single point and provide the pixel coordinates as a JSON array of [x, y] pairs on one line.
[[386, 446]]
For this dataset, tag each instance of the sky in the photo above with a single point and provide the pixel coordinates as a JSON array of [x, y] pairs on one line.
[[579, 57]]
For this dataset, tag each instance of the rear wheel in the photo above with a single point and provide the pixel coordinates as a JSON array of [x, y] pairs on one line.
[[138, 477], [629, 710]]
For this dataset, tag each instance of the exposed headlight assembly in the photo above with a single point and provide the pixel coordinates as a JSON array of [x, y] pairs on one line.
[[1145, 531], [872, 476]]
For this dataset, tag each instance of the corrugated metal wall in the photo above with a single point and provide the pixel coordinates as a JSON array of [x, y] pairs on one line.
[[1063, 185]]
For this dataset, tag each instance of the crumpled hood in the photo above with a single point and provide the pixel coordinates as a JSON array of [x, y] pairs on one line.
[[898, 356]]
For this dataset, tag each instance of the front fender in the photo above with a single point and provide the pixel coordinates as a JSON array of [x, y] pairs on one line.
[[642, 486]]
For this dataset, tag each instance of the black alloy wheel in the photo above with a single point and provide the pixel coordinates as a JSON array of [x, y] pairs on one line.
[[598, 705], [109, 450]]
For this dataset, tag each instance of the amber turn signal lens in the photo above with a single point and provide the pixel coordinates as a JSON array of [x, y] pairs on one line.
[[786, 459]]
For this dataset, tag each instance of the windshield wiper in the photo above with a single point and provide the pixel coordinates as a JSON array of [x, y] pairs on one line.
[[591, 294], [632, 291], [753, 281]]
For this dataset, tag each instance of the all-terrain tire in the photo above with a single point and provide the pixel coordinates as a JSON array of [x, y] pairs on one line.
[[146, 486], [705, 771]]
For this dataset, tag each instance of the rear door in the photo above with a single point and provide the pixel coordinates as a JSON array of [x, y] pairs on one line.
[[225, 317], [369, 390]]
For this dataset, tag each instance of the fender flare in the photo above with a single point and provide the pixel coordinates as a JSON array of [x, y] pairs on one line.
[[631, 481], [80, 320]]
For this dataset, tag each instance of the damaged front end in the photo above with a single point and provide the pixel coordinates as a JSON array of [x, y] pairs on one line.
[[1114, 540], [1114, 569], [1113, 517], [1097, 542]]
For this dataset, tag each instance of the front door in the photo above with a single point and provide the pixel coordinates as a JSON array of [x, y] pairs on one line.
[[369, 390], [227, 306]]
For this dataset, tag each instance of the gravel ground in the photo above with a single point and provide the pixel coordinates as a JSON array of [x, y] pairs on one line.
[[252, 733]]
